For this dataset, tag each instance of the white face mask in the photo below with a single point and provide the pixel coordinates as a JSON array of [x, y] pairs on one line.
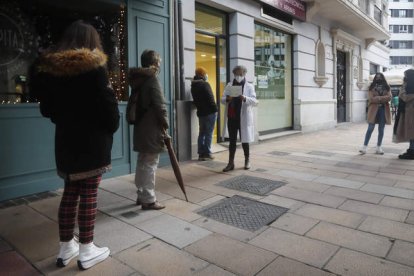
[[239, 78], [205, 77]]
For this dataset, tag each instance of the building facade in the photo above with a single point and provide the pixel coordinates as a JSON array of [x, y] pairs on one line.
[[401, 23], [308, 60]]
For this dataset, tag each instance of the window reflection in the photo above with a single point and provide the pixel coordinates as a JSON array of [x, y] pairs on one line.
[[30, 27]]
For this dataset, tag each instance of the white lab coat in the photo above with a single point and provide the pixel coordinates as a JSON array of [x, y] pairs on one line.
[[247, 127]]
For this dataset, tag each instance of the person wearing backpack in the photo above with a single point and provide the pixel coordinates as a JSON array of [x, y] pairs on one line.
[[149, 128]]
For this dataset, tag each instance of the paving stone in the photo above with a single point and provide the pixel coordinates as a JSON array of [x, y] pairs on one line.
[[372, 180], [336, 216], [130, 213], [405, 185], [218, 249], [402, 252], [353, 239], [173, 230], [296, 175], [4, 246], [402, 203], [108, 267], [311, 197], [12, 263], [154, 257], [227, 230], [374, 210], [116, 234], [194, 195], [410, 218], [339, 182], [303, 249], [354, 194], [388, 228], [213, 270], [347, 262], [287, 267], [291, 204], [106, 199], [391, 191], [309, 186], [294, 223], [211, 200], [181, 209], [396, 177], [48, 207]]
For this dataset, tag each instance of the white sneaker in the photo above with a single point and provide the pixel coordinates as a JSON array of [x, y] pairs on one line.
[[379, 150], [68, 251], [90, 255], [363, 150]]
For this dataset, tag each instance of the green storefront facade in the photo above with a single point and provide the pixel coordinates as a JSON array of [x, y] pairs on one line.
[[27, 164]]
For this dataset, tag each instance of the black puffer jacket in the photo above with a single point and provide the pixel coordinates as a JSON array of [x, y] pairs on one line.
[[75, 93], [203, 97]]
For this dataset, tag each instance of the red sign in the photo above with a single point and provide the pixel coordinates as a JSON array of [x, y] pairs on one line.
[[295, 8]]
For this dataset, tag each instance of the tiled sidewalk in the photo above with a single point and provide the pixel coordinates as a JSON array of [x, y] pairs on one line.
[[349, 214]]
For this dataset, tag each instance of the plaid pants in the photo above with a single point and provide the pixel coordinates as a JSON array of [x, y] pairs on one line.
[[87, 190]]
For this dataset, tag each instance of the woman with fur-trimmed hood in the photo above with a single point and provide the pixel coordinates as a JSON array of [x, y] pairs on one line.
[[150, 127], [404, 122], [74, 92]]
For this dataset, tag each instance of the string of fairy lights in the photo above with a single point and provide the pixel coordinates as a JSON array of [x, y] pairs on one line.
[[119, 81], [117, 76]]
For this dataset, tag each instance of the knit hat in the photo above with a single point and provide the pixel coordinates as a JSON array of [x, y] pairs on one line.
[[201, 72]]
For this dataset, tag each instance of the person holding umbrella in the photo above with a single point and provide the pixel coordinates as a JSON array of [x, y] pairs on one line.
[[150, 128]]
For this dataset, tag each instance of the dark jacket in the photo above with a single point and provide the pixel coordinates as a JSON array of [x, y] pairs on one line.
[[203, 97], [149, 129], [75, 93]]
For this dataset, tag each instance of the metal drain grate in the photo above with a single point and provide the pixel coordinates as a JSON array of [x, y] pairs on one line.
[[251, 184], [212, 164], [321, 153], [243, 212], [279, 153]]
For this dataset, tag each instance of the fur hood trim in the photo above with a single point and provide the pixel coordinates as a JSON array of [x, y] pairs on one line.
[[72, 62], [137, 76]]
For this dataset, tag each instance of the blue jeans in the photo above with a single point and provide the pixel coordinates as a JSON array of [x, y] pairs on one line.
[[380, 118], [205, 134]]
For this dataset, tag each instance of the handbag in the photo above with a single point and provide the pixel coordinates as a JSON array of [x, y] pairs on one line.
[[131, 109]]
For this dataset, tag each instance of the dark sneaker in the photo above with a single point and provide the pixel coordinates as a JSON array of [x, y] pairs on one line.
[[229, 167], [201, 158], [208, 157]]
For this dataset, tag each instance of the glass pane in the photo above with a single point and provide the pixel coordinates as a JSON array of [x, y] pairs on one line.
[[273, 81], [33, 26], [223, 80], [210, 21]]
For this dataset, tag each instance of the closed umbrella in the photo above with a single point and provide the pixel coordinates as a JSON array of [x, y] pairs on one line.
[[174, 163]]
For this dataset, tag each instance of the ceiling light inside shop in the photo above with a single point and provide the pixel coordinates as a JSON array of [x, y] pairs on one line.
[[203, 55]]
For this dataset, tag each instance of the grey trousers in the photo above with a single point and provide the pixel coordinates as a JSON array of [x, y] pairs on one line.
[[145, 176]]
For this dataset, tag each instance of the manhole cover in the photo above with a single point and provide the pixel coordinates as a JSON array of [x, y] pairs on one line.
[[251, 184], [243, 212], [321, 153], [212, 164], [279, 153]]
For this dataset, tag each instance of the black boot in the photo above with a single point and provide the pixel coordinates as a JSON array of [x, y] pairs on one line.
[[409, 155], [246, 163], [230, 165]]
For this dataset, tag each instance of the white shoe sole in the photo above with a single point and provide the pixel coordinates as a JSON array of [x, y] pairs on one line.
[[89, 263]]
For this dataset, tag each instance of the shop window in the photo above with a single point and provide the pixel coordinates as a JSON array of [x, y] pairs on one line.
[[30, 27], [273, 78], [320, 72]]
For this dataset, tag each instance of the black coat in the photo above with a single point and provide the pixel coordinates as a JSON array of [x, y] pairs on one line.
[[203, 97], [75, 93]]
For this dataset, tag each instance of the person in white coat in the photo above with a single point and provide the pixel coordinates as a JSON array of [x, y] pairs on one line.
[[239, 111]]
